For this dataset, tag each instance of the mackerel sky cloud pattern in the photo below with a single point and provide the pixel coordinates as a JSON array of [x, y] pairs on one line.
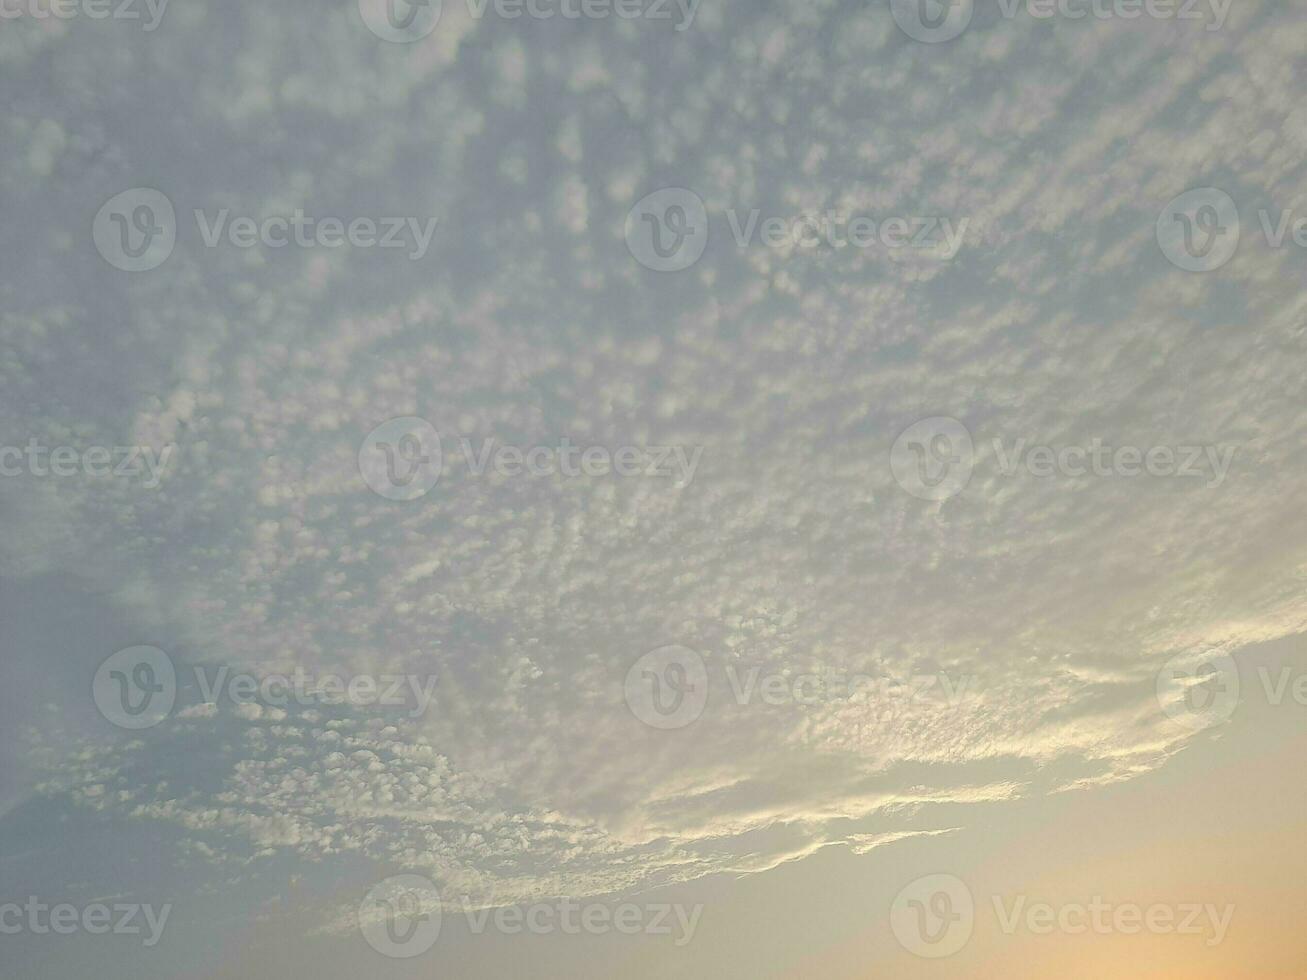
[[1052, 601]]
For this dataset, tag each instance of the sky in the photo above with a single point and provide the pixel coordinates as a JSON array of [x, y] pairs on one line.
[[736, 488]]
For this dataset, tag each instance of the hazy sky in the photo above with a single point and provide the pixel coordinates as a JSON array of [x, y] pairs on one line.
[[750, 488]]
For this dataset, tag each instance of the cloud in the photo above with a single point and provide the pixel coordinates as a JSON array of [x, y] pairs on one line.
[[792, 551]]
